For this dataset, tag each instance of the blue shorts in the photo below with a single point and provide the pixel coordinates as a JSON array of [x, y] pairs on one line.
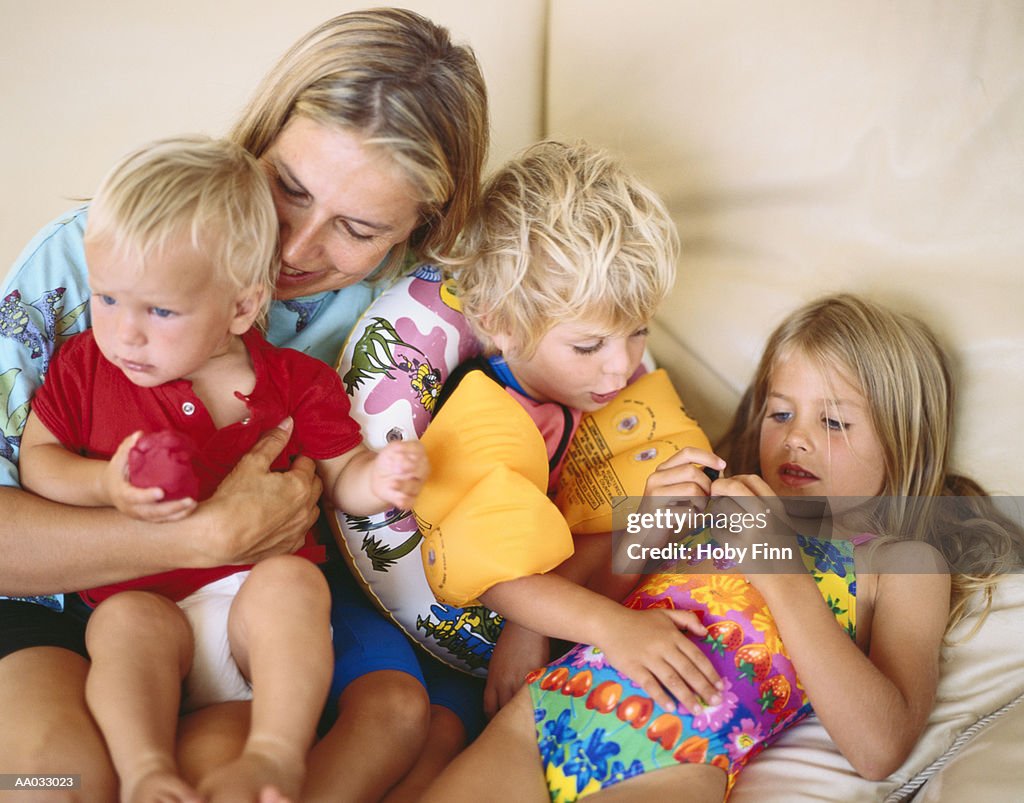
[[27, 624], [366, 641]]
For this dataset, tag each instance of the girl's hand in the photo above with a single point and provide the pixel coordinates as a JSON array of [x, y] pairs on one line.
[[517, 652], [681, 481], [683, 477], [399, 471], [742, 485], [748, 495], [139, 503], [651, 648]]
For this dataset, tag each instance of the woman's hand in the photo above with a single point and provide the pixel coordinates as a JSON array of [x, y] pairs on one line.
[[255, 512], [517, 652], [651, 648]]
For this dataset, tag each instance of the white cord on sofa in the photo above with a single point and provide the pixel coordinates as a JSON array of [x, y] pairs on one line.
[[908, 789]]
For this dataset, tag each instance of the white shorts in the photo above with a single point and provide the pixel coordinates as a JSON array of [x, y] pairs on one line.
[[214, 676]]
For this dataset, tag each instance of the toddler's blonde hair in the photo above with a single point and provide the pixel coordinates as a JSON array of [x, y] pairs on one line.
[[211, 191]]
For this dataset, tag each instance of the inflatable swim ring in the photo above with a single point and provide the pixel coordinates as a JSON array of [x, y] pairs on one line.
[[393, 367]]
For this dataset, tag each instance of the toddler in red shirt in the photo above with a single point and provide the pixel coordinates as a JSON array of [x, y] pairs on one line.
[[181, 247]]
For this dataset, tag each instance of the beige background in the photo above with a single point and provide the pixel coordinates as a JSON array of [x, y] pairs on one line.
[[802, 147], [83, 83]]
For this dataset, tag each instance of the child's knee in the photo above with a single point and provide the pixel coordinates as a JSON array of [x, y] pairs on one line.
[[388, 699], [134, 615], [289, 574]]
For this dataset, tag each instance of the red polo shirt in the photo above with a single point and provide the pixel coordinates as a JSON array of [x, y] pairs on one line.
[[91, 407]]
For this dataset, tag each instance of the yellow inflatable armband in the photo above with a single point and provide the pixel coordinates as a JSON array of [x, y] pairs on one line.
[[617, 448], [484, 512]]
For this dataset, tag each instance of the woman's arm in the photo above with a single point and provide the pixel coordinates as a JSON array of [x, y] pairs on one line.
[[46, 547]]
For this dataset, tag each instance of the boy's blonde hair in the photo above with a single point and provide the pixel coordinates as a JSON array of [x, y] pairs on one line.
[[562, 233], [396, 79], [905, 376], [211, 191]]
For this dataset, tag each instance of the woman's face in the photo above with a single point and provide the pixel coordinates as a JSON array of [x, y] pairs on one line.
[[341, 205]]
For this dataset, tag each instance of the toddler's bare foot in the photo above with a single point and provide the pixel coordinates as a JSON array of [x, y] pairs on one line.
[[262, 774], [159, 784], [272, 795]]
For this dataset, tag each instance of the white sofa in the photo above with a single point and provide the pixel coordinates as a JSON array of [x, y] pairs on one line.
[[802, 147]]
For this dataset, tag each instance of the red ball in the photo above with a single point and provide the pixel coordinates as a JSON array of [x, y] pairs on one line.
[[164, 459]]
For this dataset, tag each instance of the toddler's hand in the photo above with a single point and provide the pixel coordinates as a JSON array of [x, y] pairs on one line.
[[139, 503], [399, 471]]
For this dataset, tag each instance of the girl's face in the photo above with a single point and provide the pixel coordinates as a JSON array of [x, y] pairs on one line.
[[578, 365], [817, 437], [341, 204]]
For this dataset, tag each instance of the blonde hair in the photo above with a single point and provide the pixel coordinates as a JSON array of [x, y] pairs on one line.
[[212, 191], [905, 375], [563, 233], [396, 79]]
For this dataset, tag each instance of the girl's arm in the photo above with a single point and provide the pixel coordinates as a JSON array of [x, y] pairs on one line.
[[874, 705], [362, 482], [47, 547], [650, 647]]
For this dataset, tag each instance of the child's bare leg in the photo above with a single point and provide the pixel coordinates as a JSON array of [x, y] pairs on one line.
[[47, 727], [141, 648], [386, 707], [280, 635], [445, 739], [702, 782], [211, 737], [502, 764]]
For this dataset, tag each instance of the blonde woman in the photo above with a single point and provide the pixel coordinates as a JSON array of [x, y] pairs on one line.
[[372, 131]]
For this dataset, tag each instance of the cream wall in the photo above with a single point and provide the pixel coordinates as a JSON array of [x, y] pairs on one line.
[[802, 147], [84, 83]]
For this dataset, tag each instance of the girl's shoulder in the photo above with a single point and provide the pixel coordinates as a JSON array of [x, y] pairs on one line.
[[898, 556]]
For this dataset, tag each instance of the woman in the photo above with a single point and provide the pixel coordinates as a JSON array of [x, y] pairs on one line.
[[373, 132]]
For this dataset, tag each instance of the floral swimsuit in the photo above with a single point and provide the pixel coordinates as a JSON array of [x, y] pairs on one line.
[[595, 727]]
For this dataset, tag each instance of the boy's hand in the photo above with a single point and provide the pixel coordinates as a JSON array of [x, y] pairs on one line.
[[651, 649], [517, 652], [139, 503], [399, 471]]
